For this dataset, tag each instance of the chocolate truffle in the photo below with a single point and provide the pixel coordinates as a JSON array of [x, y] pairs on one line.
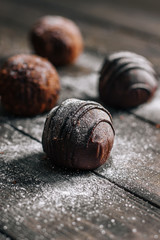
[[126, 80], [78, 134], [57, 38], [29, 85]]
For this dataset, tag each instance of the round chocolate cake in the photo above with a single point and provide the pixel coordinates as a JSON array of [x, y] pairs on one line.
[[29, 85], [78, 134], [126, 80], [57, 39]]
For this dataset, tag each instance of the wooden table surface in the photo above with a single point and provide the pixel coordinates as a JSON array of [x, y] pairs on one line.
[[120, 200]]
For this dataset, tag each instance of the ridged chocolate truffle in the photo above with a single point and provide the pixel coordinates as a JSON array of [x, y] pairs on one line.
[[29, 85], [126, 80], [57, 39], [78, 134]]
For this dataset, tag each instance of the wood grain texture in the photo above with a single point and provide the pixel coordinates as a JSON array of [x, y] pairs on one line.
[[134, 163], [97, 36], [151, 6], [102, 12], [120, 16], [39, 202]]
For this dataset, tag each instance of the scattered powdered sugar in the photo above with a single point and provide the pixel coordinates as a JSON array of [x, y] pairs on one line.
[[92, 62], [73, 202], [39, 202], [48, 202], [32, 126], [150, 110], [134, 159], [83, 87], [15, 145]]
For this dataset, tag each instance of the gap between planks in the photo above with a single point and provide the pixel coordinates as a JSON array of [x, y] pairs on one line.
[[143, 118], [96, 173], [127, 190]]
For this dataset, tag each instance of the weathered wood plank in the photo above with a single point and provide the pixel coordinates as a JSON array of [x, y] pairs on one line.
[[134, 163], [102, 12], [43, 203], [96, 37], [132, 156], [102, 38], [12, 142], [39, 202], [147, 6], [119, 16], [74, 73]]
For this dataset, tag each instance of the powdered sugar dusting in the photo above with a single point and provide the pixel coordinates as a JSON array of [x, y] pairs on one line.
[[134, 161], [66, 202], [40, 202], [150, 110]]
